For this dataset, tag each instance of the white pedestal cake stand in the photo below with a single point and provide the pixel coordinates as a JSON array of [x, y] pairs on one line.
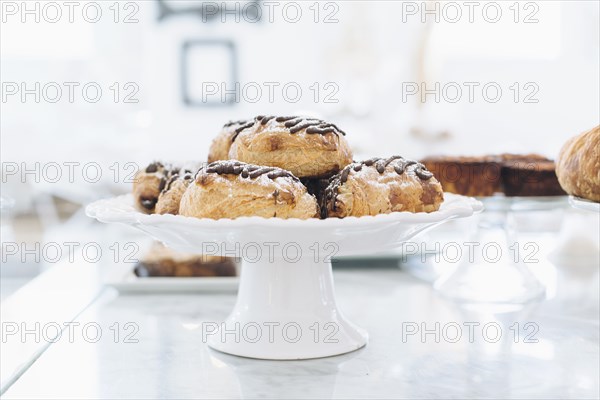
[[286, 308]]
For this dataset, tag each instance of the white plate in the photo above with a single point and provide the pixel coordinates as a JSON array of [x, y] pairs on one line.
[[584, 204], [279, 290], [128, 282]]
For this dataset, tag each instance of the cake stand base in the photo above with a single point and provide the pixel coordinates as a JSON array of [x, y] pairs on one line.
[[285, 310]]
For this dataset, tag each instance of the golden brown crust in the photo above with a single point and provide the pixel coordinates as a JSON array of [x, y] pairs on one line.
[[170, 197], [231, 189], [578, 165], [308, 152], [372, 188], [219, 148], [147, 185]]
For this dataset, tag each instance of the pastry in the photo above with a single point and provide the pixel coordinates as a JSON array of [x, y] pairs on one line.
[[170, 197], [381, 186], [219, 148], [162, 261], [529, 175], [511, 174], [148, 183], [578, 165], [469, 176], [307, 147], [231, 189]]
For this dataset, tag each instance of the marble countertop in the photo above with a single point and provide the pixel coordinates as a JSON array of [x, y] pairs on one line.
[[150, 346]]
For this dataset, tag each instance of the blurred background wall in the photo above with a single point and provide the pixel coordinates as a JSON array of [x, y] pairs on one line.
[[413, 78]]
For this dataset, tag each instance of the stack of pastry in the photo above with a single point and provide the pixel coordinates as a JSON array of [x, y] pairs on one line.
[[288, 167], [164, 182]]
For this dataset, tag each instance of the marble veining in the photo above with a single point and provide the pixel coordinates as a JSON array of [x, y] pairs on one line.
[[170, 360]]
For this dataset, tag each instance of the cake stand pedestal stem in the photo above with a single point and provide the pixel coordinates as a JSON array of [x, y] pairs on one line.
[[286, 310]]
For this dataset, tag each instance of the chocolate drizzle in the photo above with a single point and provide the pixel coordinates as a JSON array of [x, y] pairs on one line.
[[187, 178], [380, 164], [165, 171], [295, 124], [186, 174], [163, 183], [153, 167], [400, 166], [234, 167], [163, 175], [231, 123], [240, 129]]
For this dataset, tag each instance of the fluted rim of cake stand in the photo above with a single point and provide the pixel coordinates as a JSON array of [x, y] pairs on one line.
[[121, 209]]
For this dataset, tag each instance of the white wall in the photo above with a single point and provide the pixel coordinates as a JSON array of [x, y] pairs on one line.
[[368, 54]]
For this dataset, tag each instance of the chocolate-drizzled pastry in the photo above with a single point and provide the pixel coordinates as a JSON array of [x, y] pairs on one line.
[[219, 148], [231, 189], [381, 186], [308, 147], [170, 197], [149, 182]]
